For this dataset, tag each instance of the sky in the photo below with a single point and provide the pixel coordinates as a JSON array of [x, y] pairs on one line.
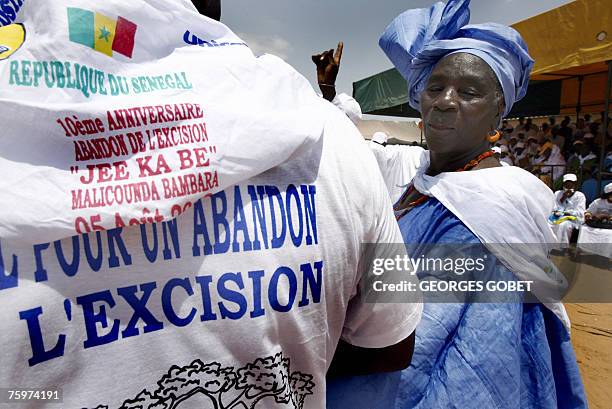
[[296, 29]]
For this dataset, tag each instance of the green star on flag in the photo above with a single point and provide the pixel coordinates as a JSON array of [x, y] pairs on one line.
[[104, 33]]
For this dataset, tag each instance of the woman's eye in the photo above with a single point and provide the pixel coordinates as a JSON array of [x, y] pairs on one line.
[[469, 93], [434, 89]]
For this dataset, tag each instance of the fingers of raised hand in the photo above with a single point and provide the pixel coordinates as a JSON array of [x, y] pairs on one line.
[[338, 55], [320, 59]]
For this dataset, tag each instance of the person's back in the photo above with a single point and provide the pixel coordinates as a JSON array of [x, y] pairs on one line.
[[239, 293], [222, 294]]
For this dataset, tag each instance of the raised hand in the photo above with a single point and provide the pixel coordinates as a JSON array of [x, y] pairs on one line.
[[328, 65]]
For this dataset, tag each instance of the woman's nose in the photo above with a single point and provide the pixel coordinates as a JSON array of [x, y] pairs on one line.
[[446, 100]]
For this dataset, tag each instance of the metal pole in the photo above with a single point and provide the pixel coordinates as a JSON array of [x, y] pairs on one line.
[[604, 140], [421, 129], [578, 104]]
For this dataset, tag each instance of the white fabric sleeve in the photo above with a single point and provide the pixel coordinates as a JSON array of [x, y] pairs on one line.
[[378, 325], [348, 105], [398, 164], [580, 206], [599, 206], [558, 206], [594, 207]]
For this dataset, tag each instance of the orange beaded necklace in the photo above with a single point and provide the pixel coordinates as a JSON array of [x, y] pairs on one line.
[[474, 162]]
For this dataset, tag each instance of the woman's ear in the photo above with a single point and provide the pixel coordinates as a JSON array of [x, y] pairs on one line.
[[501, 107]]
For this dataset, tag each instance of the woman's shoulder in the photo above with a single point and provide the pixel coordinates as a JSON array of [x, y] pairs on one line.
[[518, 188], [515, 177]]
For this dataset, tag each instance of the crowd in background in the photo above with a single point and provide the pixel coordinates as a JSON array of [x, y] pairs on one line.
[[551, 149]]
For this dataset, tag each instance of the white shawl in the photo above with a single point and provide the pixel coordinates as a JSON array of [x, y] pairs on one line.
[[504, 205]]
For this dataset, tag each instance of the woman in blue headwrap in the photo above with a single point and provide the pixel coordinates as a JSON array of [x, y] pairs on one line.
[[464, 79]]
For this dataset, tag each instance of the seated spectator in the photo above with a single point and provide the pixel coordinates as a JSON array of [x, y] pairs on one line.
[[512, 141], [505, 157], [596, 234], [569, 209], [599, 213], [587, 120], [507, 131], [552, 121], [532, 145], [608, 159], [580, 129], [590, 187], [594, 128], [497, 152], [557, 138], [583, 161], [549, 164], [520, 127], [545, 133], [566, 132], [589, 138], [530, 129], [506, 127], [521, 159]]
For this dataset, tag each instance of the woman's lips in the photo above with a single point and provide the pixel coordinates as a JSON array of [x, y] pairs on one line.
[[440, 127]]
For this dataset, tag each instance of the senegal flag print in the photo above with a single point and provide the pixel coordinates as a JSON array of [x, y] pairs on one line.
[[102, 33]]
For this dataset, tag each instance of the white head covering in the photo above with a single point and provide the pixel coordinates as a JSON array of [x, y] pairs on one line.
[[380, 137], [608, 188], [570, 177]]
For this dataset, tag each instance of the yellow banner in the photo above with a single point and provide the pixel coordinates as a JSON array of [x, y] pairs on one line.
[[573, 35]]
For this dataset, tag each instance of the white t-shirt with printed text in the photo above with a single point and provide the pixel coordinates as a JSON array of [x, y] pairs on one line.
[[187, 229]]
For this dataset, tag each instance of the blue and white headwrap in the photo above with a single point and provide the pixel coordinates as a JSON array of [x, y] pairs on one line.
[[417, 39]]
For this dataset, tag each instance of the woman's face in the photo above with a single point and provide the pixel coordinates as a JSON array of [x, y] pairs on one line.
[[460, 104]]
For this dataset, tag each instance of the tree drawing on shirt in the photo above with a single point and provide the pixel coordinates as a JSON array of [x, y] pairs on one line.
[[301, 386], [181, 383], [227, 388]]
